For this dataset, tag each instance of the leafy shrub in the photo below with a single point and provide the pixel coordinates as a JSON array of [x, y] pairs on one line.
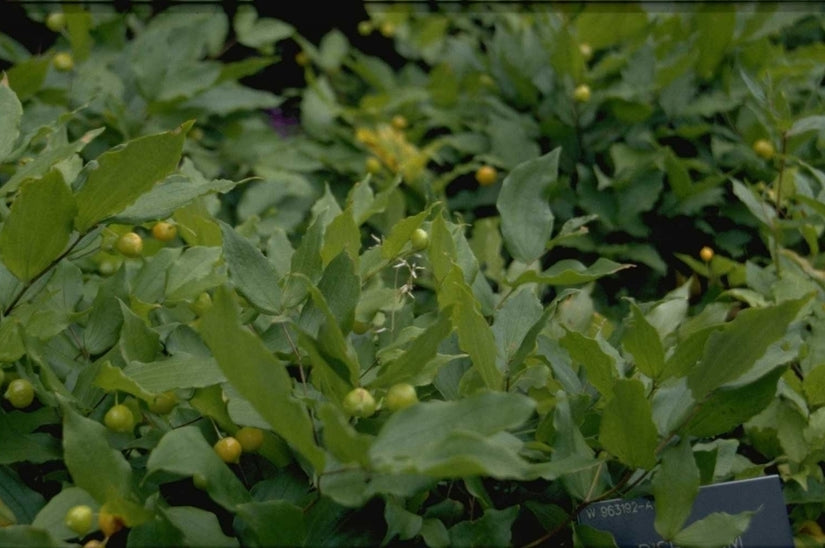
[[463, 228]]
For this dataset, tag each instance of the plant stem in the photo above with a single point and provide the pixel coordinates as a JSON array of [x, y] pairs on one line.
[[777, 230]]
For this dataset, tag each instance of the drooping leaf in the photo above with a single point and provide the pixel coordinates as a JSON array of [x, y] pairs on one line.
[[627, 428], [717, 529], [526, 218], [194, 272], [572, 272], [198, 527], [642, 341], [675, 486], [251, 273], [11, 111], [733, 350], [599, 365], [123, 174], [178, 371], [39, 226], [258, 375], [275, 522]]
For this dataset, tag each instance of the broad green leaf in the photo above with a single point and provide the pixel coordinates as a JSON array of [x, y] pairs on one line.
[[20, 503], [27, 76], [262, 32], [627, 428], [732, 351], [194, 272], [572, 272], [400, 522], [513, 322], [274, 522], [603, 28], [453, 439], [111, 378], [341, 439], [251, 273], [714, 33], [758, 208], [258, 375], [338, 292], [124, 173], [642, 341], [39, 226], [307, 261], [526, 218], [417, 355], [178, 371], [101, 471], [185, 452], [137, 341], [814, 385], [155, 533], [28, 536], [199, 527], [11, 111], [168, 196], [52, 517], [475, 337], [400, 234], [196, 225], [442, 249], [809, 123], [717, 529], [727, 408], [600, 366], [342, 235], [494, 528], [11, 342], [675, 486], [687, 353], [28, 446]]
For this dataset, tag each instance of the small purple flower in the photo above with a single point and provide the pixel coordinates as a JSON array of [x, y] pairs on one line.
[[284, 124]]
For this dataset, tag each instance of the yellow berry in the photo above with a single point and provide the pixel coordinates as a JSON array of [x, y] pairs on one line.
[[582, 93], [586, 51], [764, 149], [250, 438], [63, 61], [130, 244], [228, 449], [706, 254], [399, 122], [486, 175], [163, 231]]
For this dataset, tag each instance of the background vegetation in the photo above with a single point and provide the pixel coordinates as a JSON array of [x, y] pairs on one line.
[[539, 259]]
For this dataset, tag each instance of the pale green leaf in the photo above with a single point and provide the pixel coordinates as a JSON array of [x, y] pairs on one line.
[[11, 111], [675, 486], [717, 529], [39, 226], [642, 341], [526, 218], [572, 272], [123, 174], [627, 428]]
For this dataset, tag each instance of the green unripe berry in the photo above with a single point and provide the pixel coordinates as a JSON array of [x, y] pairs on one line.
[[420, 239], [20, 393], [63, 61], [119, 419], [582, 93], [359, 403], [79, 519], [400, 396], [56, 21]]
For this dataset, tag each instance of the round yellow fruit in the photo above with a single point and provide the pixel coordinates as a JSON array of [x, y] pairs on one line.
[[359, 403], [250, 438], [582, 93], [399, 122], [163, 231], [706, 254], [79, 519], [56, 21], [401, 395], [764, 149], [228, 449], [20, 393], [130, 244], [486, 175], [373, 165], [63, 61], [109, 523]]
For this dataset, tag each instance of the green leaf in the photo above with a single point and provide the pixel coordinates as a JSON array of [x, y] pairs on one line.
[[178, 371], [717, 529], [27, 77], [184, 451], [342, 235], [137, 341], [475, 337], [454, 439], [341, 439], [417, 355], [513, 322], [258, 375], [627, 428], [11, 111], [18, 502], [572, 272], [400, 234], [814, 385], [809, 123], [111, 378], [199, 527], [714, 33], [193, 273], [599, 365], [38, 227], [257, 32], [729, 407], [53, 516], [642, 341], [675, 486], [400, 522], [275, 522], [251, 273], [602, 28], [494, 528], [732, 351], [28, 446], [124, 173], [27, 536], [101, 471], [526, 218]]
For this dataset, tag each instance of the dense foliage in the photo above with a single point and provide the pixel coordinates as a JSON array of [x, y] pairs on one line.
[[552, 258]]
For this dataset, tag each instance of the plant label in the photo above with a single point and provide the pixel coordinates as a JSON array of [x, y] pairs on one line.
[[630, 521]]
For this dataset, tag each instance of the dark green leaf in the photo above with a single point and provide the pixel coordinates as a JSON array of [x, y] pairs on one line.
[[627, 428], [251, 273], [675, 485], [717, 529], [642, 341]]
